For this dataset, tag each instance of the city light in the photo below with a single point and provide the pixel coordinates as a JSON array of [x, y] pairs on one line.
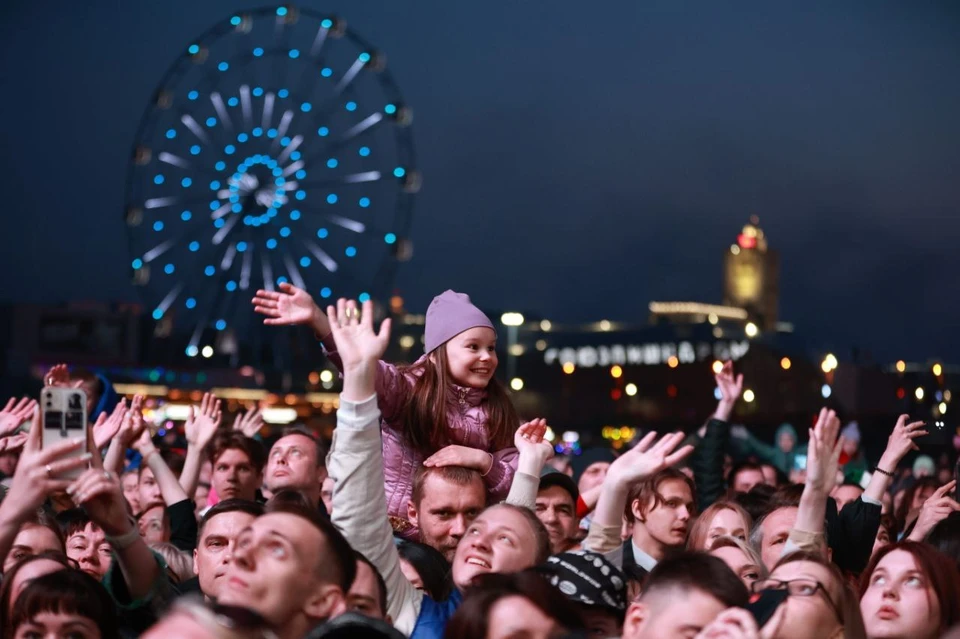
[[569, 367], [630, 390], [314, 377], [901, 366], [407, 341], [785, 363], [516, 350], [326, 377], [937, 370], [918, 393], [826, 391], [516, 384], [207, 351], [829, 363], [512, 319], [947, 395], [545, 326], [943, 408], [673, 362], [749, 396], [717, 367], [751, 329], [712, 318], [616, 372], [605, 325], [735, 249], [541, 345]]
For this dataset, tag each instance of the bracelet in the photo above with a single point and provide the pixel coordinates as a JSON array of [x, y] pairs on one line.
[[491, 466], [127, 539], [883, 472]]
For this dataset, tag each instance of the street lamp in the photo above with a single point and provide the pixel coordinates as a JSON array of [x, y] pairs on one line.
[[512, 321]]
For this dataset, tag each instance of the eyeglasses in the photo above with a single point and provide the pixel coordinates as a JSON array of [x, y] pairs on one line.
[[798, 588]]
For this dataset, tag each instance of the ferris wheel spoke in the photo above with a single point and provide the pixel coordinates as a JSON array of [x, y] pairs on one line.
[[350, 178], [294, 272], [349, 76], [168, 201], [174, 160], [225, 230], [267, 273], [293, 168], [170, 298], [195, 128], [245, 268], [351, 133], [157, 251], [328, 262], [246, 106], [290, 148], [228, 256], [268, 101], [221, 110], [285, 120], [220, 212], [318, 41]]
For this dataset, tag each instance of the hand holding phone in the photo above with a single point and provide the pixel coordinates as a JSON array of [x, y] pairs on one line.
[[764, 604], [64, 418]]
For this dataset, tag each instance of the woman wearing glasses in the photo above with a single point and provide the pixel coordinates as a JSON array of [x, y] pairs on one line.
[[909, 590]]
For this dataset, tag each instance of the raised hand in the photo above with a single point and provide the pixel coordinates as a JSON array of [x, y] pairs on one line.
[[823, 452], [15, 413], [648, 458], [730, 388], [58, 375], [107, 426], [938, 507], [12, 442], [201, 427], [38, 470], [901, 442], [534, 450], [290, 306], [357, 343], [460, 456], [100, 494], [250, 422]]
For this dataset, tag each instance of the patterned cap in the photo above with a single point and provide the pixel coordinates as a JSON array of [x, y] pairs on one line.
[[587, 578]]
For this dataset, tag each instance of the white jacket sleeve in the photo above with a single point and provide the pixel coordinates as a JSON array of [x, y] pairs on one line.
[[355, 463]]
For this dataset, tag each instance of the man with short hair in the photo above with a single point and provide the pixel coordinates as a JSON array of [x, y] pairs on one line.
[[744, 476], [296, 462], [660, 510], [237, 465], [682, 595], [291, 566], [445, 500], [769, 535], [368, 592], [556, 507], [216, 539]]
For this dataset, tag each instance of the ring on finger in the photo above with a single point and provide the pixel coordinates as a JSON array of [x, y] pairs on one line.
[[49, 470]]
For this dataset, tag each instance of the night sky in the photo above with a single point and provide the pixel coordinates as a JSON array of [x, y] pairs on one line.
[[578, 162]]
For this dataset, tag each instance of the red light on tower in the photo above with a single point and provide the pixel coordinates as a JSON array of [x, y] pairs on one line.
[[901, 393], [746, 241], [616, 394]]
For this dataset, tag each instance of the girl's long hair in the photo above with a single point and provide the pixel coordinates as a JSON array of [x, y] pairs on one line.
[[424, 413]]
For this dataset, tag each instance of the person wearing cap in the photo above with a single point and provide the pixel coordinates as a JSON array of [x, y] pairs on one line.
[[595, 586], [556, 507], [446, 409]]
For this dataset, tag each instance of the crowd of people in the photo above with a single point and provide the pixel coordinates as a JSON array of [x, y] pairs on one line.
[[437, 511]]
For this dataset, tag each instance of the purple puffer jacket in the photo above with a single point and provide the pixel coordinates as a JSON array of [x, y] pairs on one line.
[[467, 424]]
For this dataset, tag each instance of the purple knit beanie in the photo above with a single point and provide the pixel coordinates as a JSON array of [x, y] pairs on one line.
[[449, 315]]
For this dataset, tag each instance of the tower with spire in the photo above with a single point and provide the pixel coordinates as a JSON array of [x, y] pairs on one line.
[[751, 276]]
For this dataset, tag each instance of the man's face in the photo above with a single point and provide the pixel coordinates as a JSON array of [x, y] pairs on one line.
[[556, 509], [273, 571], [216, 543], [498, 540], [8, 463], [31, 540], [234, 476], [746, 479], [293, 464], [149, 488], [153, 529], [671, 613], [846, 494], [89, 548], [364, 595], [326, 494], [131, 490], [593, 476], [667, 522], [776, 528], [786, 442], [445, 511]]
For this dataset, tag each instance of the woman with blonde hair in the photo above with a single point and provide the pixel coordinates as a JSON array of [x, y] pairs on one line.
[[723, 518], [743, 560]]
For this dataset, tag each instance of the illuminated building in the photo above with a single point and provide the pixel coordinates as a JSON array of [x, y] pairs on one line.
[[751, 276]]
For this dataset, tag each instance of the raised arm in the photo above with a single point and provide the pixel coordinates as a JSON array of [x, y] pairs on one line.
[[355, 462], [707, 460], [170, 488], [639, 463], [128, 431], [199, 430], [899, 444], [823, 460], [533, 454]]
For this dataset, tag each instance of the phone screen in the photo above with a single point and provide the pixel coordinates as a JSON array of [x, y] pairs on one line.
[[763, 604]]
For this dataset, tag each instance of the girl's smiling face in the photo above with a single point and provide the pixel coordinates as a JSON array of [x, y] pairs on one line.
[[472, 357]]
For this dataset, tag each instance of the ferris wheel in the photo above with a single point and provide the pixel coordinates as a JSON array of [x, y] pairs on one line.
[[276, 148]]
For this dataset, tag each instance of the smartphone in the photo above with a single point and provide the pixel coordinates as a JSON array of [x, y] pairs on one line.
[[763, 604], [64, 417]]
